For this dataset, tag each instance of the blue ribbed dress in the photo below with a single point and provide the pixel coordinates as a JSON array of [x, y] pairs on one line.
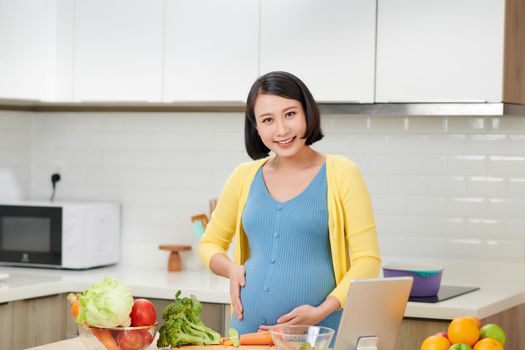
[[290, 263]]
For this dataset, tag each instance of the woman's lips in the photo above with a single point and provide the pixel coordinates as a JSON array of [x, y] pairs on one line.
[[286, 142]]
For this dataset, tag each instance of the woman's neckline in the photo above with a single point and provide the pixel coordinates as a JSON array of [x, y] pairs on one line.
[[283, 202]]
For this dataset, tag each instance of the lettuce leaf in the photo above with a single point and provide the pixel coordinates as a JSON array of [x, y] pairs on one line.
[[107, 303]]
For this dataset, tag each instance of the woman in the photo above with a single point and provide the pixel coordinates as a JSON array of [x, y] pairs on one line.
[[301, 221]]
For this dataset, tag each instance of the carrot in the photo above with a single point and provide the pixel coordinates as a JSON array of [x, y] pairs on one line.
[[226, 341], [105, 337], [75, 307], [74, 300], [257, 338]]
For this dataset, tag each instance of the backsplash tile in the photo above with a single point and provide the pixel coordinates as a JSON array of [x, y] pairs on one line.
[[426, 246], [464, 248], [504, 250], [465, 125], [435, 125], [450, 187], [467, 165], [413, 144], [514, 228], [506, 165], [516, 187], [15, 154], [517, 145], [446, 144], [486, 186], [444, 226], [446, 185], [487, 144]]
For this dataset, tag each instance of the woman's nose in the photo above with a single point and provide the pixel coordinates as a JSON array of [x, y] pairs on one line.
[[282, 128]]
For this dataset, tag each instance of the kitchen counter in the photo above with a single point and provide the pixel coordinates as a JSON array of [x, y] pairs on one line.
[[76, 344], [497, 293], [72, 344]]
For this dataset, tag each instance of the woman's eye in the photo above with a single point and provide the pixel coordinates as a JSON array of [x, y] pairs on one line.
[[290, 114], [266, 120]]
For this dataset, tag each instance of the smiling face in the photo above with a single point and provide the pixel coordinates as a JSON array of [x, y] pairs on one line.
[[281, 124]]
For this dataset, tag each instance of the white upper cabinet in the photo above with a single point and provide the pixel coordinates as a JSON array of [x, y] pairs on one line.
[[440, 50], [25, 53], [118, 50], [211, 49], [328, 45]]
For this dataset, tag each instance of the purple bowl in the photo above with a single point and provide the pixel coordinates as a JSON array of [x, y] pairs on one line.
[[427, 279]]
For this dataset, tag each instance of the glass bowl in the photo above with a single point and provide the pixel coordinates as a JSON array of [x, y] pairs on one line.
[[296, 337], [121, 338]]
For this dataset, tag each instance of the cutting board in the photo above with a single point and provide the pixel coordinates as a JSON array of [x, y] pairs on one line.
[[222, 347]]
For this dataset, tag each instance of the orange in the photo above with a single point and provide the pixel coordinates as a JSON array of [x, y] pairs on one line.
[[488, 344], [463, 330], [476, 320], [435, 342]]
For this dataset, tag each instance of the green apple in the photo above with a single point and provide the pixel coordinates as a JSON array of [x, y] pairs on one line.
[[460, 346], [492, 330]]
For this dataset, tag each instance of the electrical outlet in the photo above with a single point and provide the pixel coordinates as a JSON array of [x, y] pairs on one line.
[[58, 166]]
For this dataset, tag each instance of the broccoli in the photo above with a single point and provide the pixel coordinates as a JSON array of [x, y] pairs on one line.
[[183, 324]]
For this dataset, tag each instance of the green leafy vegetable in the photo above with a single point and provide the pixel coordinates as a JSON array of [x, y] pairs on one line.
[[183, 325], [107, 303], [234, 336], [305, 346]]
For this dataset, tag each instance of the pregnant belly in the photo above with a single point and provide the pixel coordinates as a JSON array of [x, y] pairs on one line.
[[270, 293]]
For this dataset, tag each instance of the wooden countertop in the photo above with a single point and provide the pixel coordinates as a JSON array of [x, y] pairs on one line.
[[76, 344]]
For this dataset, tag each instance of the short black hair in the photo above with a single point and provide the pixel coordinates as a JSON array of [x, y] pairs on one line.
[[285, 85]]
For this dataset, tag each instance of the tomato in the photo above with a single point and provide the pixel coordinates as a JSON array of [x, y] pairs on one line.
[[143, 313], [134, 339]]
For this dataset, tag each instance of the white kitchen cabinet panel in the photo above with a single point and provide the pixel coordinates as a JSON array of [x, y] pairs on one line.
[[211, 49], [439, 50], [25, 31], [329, 45], [118, 50]]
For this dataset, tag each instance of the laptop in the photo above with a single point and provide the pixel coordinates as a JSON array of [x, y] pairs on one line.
[[373, 313]]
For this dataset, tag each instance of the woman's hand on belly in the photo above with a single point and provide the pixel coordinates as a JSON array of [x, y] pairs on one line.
[[303, 315], [307, 314], [236, 274]]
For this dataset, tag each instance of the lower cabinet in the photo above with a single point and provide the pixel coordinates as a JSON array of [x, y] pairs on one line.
[[414, 330], [35, 321], [6, 325]]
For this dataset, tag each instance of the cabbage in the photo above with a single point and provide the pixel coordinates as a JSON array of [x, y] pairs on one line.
[[107, 303]]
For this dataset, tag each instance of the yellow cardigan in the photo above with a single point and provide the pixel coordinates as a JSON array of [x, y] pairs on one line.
[[351, 225]]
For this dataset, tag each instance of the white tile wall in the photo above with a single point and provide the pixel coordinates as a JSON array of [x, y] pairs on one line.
[[15, 154], [441, 187]]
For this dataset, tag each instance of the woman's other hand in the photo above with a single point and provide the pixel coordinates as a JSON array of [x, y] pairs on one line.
[[236, 274], [307, 314]]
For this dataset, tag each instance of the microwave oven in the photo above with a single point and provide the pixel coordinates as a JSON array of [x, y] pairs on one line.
[[68, 235]]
